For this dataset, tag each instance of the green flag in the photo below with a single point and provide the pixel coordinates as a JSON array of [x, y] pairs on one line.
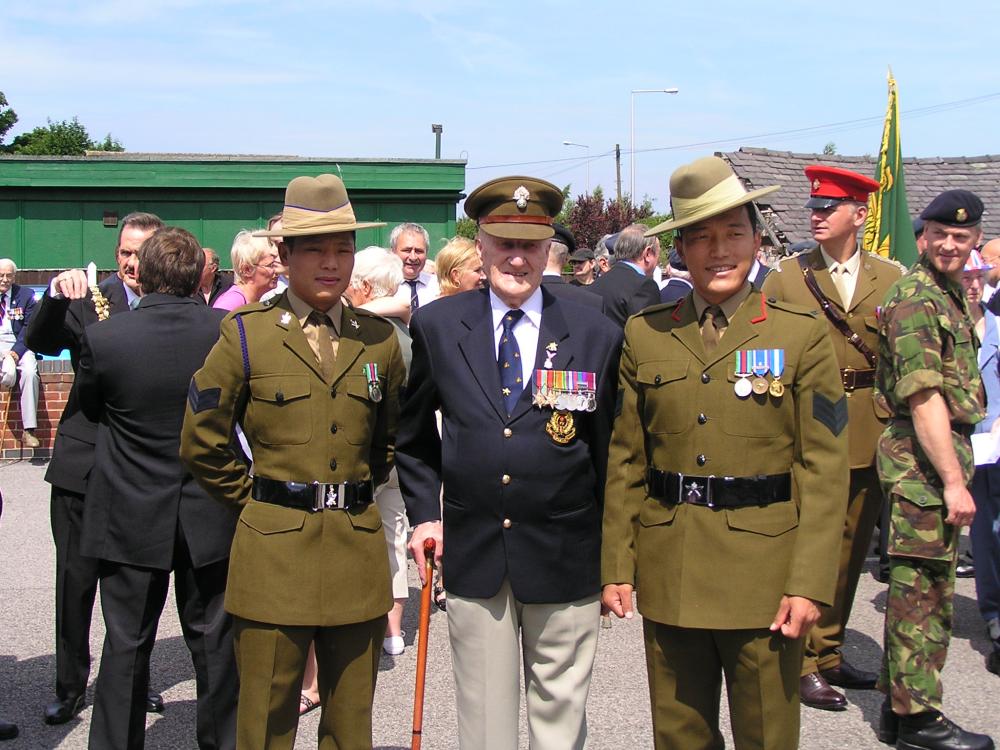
[[888, 228]]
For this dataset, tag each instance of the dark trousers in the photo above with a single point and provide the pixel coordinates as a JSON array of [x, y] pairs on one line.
[[132, 600], [76, 587], [985, 538]]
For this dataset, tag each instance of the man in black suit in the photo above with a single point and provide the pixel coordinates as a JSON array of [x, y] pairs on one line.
[[525, 383], [60, 317], [144, 514], [561, 245], [629, 287]]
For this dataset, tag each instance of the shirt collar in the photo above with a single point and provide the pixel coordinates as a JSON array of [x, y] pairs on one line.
[[532, 308], [634, 266], [130, 296], [729, 306], [850, 266], [303, 310]]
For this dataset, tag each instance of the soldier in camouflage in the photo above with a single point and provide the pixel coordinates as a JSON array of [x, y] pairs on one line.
[[928, 374]]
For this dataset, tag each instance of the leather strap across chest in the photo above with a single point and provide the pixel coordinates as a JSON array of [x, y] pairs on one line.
[[831, 313]]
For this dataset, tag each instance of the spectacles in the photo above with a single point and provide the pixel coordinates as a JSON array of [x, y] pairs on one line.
[[270, 266]]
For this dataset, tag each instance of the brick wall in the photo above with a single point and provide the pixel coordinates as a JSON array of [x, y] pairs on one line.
[[56, 378]]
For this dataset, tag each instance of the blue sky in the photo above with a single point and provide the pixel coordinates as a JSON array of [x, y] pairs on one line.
[[508, 81]]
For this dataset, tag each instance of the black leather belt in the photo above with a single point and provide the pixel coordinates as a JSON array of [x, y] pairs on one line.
[[719, 492], [313, 496], [853, 379]]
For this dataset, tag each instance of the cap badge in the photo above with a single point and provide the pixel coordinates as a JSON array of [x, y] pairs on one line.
[[521, 196], [816, 184], [961, 215], [354, 324], [286, 319]]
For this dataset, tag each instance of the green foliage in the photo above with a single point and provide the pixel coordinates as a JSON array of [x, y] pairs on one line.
[[7, 118], [65, 138], [830, 149], [465, 227], [592, 216]]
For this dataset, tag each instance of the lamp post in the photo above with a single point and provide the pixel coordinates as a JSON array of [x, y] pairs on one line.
[[582, 145], [672, 90]]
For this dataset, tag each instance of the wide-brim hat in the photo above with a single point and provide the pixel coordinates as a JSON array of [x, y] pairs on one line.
[[317, 205], [705, 188], [515, 208]]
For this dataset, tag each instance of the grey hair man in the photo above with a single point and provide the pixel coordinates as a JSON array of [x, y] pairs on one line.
[[410, 242], [16, 305], [628, 287]]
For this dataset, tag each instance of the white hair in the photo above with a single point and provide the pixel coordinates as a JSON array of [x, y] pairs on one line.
[[380, 268], [246, 252], [408, 227], [9, 262]]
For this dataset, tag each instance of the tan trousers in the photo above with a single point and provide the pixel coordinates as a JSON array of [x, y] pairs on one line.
[[557, 642], [823, 644], [685, 668], [271, 660]]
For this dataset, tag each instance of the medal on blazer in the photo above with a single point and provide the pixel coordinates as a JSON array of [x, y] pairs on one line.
[[742, 387], [550, 352], [370, 371], [566, 390], [759, 366], [777, 388], [560, 427]]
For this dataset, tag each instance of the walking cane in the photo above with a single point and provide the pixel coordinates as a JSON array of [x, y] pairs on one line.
[[424, 626], [8, 396]]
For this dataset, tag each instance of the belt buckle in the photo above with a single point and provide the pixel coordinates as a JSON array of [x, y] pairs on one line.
[[326, 497], [696, 491], [848, 378]]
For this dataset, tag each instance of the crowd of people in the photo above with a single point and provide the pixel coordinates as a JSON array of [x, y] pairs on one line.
[[572, 448]]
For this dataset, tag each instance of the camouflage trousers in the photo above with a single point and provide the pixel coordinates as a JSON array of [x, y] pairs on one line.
[[918, 614]]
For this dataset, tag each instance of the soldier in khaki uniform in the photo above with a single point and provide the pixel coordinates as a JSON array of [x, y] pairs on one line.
[[844, 285], [726, 474], [314, 385]]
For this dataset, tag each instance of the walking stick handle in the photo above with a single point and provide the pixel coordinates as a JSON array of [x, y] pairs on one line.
[[424, 627]]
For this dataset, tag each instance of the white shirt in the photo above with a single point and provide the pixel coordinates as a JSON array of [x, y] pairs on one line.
[[427, 289], [525, 330], [848, 272], [6, 331], [130, 296]]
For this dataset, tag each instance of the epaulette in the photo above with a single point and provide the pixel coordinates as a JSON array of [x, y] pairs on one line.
[[889, 261], [789, 259], [791, 307], [657, 308]]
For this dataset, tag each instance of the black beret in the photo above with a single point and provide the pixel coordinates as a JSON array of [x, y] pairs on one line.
[[956, 208], [676, 261], [564, 236], [583, 254]]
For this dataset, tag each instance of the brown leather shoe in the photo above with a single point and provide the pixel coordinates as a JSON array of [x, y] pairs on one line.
[[845, 676], [28, 439], [816, 693]]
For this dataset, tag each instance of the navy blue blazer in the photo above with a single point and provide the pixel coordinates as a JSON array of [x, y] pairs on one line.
[[19, 308], [550, 549]]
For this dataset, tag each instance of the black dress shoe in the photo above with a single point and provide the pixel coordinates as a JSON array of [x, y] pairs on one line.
[[846, 676], [816, 693], [8, 730], [930, 730], [154, 703], [993, 661], [59, 712], [965, 567], [888, 723]]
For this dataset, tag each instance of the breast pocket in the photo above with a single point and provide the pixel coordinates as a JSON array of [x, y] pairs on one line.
[[758, 416], [278, 410], [665, 408], [360, 410]]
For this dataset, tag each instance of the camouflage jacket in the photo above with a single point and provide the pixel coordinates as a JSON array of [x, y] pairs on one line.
[[926, 340]]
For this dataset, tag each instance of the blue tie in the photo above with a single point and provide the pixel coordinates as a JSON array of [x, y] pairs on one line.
[[510, 361]]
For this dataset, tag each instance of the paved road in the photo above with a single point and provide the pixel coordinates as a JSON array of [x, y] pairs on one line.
[[618, 708]]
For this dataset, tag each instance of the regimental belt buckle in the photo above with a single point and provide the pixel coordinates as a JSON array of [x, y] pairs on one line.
[[847, 378], [327, 497], [696, 492]]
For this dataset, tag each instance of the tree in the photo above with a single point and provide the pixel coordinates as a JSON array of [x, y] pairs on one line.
[[7, 118], [66, 138], [466, 227], [592, 217], [830, 149]]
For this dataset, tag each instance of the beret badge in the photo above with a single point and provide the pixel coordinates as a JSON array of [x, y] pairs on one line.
[[961, 214], [521, 196]]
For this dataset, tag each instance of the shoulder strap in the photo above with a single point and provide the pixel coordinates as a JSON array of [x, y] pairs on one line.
[[243, 347], [831, 313]]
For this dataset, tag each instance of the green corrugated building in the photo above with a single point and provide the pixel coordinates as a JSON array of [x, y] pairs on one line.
[[61, 212]]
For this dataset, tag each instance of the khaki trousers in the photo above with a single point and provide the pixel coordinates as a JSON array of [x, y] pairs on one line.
[[864, 504], [271, 660], [685, 668], [557, 642]]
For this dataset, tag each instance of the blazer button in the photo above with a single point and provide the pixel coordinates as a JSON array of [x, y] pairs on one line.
[[702, 460], [333, 464], [279, 397], [333, 429], [705, 377], [506, 523], [507, 432], [505, 479], [702, 419], [657, 380]]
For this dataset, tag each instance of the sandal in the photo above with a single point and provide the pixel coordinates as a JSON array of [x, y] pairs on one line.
[[439, 599], [306, 704]]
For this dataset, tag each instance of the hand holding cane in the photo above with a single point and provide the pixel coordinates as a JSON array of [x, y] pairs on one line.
[[424, 627]]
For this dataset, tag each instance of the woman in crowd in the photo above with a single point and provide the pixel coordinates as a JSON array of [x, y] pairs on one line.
[[255, 266], [459, 267]]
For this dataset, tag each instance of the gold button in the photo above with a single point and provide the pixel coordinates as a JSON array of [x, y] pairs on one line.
[[507, 432], [506, 523], [505, 479]]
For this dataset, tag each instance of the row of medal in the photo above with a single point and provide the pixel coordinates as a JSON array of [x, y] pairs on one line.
[[567, 390], [752, 368]]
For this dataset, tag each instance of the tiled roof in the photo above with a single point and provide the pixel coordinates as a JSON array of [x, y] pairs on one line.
[[925, 178]]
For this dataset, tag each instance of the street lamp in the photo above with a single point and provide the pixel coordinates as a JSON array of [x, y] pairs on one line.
[[582, 145], [673, 90]]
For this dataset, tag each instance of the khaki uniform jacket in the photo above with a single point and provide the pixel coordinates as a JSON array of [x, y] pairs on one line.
[[289, 566], [866, 417], [699, 567]]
